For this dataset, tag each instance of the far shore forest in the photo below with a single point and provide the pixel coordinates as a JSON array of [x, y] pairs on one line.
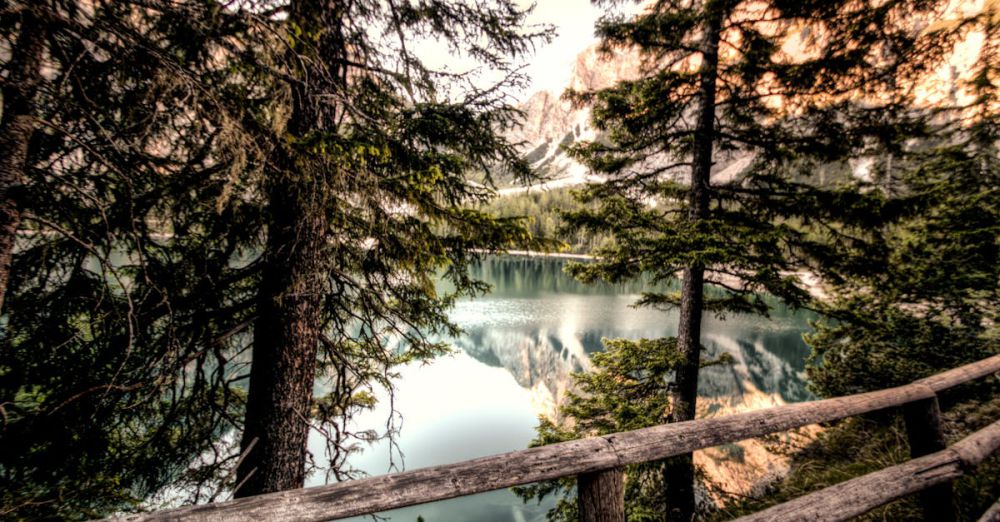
[[210, 209]]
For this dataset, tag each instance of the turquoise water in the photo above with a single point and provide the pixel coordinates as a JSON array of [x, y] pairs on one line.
[[521, 343]]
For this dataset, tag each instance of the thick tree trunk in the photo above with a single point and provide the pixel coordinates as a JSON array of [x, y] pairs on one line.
[[679, 471], [16, 129], [289, 321], [286, 337]]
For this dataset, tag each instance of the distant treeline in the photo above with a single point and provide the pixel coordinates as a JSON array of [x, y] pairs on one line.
[[543, 211]]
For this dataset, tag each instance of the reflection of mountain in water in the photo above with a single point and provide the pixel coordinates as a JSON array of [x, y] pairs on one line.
[[756, 363], [544, 358], [541, 325], [540, 362]]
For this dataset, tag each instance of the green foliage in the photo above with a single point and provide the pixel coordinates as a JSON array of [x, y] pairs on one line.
[[774, 218], [874, 347], [628, 388], [110, 381], [935, 301], [929, 302], [543, 211], [152, 180]]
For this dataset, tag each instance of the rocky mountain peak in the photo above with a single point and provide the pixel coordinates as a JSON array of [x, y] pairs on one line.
[[595, 70], [551, 123]]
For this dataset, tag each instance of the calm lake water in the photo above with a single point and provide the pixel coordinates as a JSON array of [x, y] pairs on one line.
[[513, 363]]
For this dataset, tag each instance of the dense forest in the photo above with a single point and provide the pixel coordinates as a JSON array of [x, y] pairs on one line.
[[210, 210], [543, 212]]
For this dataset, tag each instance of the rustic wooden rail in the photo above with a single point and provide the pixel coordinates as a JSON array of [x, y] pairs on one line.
[[992, 514], [597, 462], [860, 495]]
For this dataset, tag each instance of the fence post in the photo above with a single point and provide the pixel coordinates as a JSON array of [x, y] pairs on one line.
[[992, 514], [926, 436], [600, 496]]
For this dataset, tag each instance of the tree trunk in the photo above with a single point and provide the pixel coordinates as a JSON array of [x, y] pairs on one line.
[[601, 496], [16, 129], [679, 471], [286, 336], [289, 321]]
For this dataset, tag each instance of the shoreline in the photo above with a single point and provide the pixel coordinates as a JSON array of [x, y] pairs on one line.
[[809, 281], [556, 255]]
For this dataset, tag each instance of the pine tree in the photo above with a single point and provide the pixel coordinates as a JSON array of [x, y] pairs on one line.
[[112, 378], [366, 198], [793, 86], [204, 180]]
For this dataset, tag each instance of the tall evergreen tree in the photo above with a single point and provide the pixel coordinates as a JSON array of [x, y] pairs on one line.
[[203, 179], [366, 198], [791, 85], [112, 377]]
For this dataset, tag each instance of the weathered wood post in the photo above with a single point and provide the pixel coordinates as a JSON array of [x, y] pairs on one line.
[[600, 496], [992, 514], [926, 436]]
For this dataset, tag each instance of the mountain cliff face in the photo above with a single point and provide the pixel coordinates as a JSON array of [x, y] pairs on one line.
[[551, 123]]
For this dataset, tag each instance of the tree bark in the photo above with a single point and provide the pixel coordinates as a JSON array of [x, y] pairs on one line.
[[16, 129], [679, 471], [288, 327], [925, 433], [601, 496], [286, 337]]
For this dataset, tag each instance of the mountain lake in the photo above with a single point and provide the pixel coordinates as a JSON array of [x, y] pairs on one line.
[[513, 363]]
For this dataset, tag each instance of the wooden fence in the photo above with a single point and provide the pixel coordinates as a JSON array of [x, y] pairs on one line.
[[597, 463]]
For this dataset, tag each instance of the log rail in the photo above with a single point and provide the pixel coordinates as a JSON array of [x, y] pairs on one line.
[[597, 460]]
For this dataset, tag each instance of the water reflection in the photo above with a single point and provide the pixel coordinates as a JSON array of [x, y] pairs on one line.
[[540, 325], [514, 361]]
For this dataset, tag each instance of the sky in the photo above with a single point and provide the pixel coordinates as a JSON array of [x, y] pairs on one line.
[[549, 68], [552, 64]]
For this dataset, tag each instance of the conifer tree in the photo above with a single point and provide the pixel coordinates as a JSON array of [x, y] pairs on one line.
[[207, 179], [113, 375], [366, 197], [789, 85]]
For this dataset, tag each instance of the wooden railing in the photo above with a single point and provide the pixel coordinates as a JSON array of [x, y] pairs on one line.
[[597, 463]]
